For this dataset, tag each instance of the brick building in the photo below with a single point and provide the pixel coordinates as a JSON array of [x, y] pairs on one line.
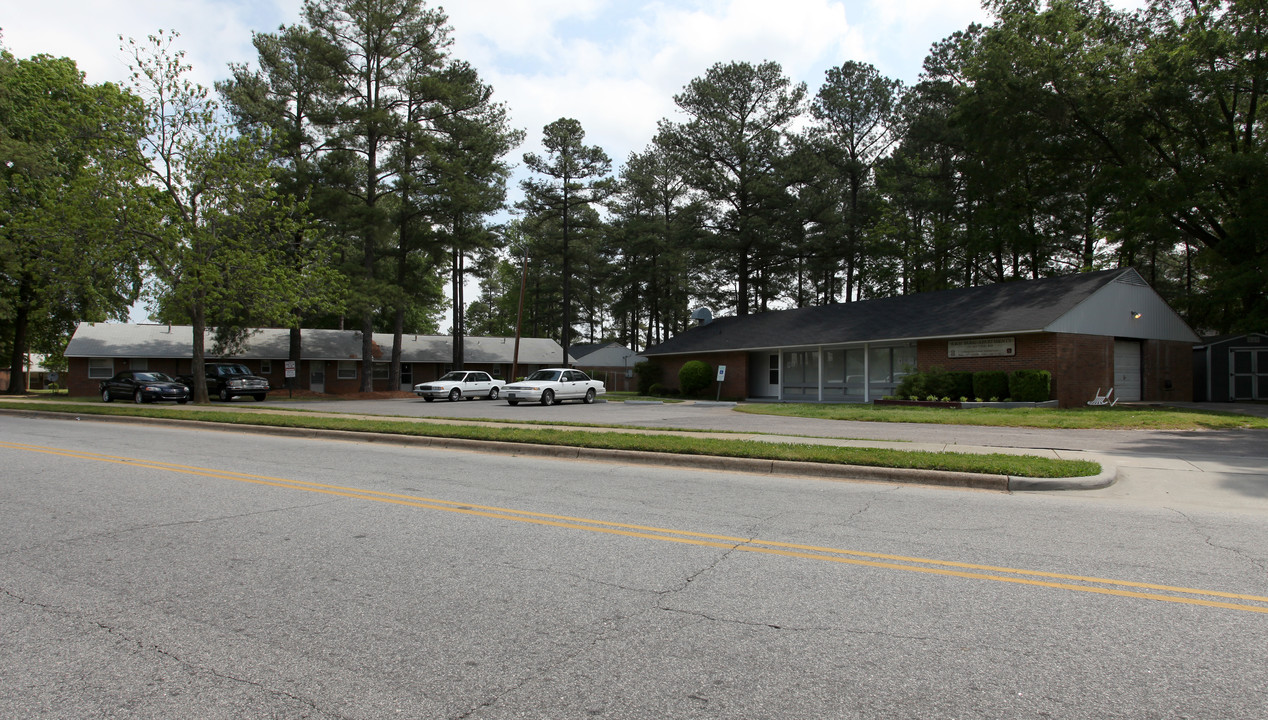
[[331, 358], [1092, 330]]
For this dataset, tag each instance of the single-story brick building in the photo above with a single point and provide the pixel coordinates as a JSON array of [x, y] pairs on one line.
[[331, 358], [1091, 331]]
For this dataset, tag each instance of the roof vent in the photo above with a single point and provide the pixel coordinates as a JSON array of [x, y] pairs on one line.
[[1131, 277], [702, 316]]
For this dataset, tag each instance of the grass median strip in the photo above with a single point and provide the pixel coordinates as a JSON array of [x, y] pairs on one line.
[[994, 464]]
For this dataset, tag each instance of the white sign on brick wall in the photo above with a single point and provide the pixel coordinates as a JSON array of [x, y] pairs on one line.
[[982, 347]]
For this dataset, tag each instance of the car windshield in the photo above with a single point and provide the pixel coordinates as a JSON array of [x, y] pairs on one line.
[[235, 370], [541, 375], [152, 377], [453, 377]]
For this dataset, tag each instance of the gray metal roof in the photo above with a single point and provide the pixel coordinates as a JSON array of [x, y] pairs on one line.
[[176, 341], [1095, 303]]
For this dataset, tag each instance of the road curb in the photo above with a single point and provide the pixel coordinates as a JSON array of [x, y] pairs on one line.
[[790, 468]]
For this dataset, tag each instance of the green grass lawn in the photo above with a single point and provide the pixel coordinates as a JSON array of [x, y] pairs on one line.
[[994, 464], [1111, 418]]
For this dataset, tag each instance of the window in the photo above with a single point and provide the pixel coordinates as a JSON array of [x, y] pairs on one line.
[[266, 367], [100, 368], [139, 364], [801, 375], [381, 370], [347, 370]]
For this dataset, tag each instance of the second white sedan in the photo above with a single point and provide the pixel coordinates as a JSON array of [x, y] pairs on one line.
[[554, 385], [460, 384]]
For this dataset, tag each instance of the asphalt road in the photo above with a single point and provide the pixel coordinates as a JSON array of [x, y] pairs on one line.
[[161, 573]]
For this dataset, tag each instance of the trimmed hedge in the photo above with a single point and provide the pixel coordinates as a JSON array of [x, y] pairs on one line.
[[1030, 385], [989, 384], [1018, 386], [937, 383], [694, 377]]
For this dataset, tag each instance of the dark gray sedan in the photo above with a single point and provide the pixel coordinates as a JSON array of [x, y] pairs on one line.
[[141, 386]]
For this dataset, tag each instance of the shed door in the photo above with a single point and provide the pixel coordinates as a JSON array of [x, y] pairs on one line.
[[1127, 370], [1248, 374]]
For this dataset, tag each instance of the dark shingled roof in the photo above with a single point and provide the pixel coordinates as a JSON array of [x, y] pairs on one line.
[[1008, 307]]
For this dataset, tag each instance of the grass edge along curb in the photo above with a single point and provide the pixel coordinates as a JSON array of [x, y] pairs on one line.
[[988, 464]]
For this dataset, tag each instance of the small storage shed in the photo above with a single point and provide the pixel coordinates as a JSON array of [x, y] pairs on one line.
[[1229, 368]]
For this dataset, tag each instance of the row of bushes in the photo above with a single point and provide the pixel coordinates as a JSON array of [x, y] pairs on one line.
[[1018, 385], [693, 378]]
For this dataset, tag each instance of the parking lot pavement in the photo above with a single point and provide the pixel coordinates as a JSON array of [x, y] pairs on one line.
[[1243, 449]]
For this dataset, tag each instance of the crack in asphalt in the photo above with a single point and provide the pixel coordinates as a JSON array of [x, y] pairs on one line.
[[157, 526], [187, 666], [1258, 563]]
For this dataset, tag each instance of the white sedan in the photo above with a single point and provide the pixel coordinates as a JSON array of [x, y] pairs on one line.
[[458, 384], [554, 385]]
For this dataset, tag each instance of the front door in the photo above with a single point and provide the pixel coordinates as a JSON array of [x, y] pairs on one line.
[[317, 377]]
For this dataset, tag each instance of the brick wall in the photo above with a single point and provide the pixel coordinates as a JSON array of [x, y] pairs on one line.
[[734, 387], [1079, 363], [1168, 371]]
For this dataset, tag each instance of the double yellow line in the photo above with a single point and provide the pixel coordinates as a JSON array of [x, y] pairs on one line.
[[1077, 583]]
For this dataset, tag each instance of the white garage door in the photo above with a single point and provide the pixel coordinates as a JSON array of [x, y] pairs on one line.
[[1127, 370]]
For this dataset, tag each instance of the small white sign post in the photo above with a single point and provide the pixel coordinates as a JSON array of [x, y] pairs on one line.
[[290, 376], [721, 377]]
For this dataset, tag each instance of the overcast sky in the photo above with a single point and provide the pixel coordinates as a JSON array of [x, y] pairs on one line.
[[615, 65]]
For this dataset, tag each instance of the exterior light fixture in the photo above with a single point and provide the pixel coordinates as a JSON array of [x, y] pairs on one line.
[[1135, 315]]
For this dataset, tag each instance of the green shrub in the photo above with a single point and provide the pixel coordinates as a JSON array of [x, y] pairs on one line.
[[694, 377], [656, 390], [1030, 385], [936, 382], [990, 384], [648, 374]]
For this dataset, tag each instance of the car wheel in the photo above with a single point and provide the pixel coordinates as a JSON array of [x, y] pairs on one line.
[[105, 396], [455, 395], [428, 398], [259, 397], [138, 398], [548, 397], [493, 394], [589, 398], [512, 402], [224, 395]]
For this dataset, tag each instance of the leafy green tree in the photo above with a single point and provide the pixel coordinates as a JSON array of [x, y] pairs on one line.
[[656, 225], [854, 116], [739, 115], [383, 47], [287, 100], [70, 155], [218, 232], [576, 177]]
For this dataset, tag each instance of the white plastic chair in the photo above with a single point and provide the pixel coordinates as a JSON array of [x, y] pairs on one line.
[[1103, 399]]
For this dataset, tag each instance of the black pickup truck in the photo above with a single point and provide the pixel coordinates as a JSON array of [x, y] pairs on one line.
[[229, 380]]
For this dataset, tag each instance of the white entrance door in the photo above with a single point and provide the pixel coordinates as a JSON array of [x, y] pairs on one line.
[[1127, 380]]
